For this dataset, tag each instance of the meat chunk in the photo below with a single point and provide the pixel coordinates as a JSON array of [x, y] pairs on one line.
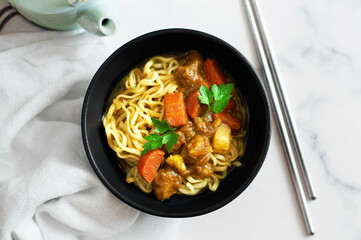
[[181, 140], [199, 146], [188, 131], [202, 171], [165, 183], [198, 149], [204, 126], [189, 74]]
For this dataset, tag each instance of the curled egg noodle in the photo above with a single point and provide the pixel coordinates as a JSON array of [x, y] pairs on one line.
[[128, 121]]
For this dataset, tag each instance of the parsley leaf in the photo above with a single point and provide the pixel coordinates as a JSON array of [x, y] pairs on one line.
[[168, 137], [161, 127], [220, 95], [205, 96], [155, 141], [172, 140], [146, 148]]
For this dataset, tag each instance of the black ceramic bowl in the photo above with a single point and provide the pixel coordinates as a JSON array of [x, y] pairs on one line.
[[119, 64]]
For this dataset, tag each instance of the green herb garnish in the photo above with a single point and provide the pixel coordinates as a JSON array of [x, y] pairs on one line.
[[220, 95], [167, 137]]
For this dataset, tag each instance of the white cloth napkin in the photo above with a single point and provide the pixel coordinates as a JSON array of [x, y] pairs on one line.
[[48, 189]]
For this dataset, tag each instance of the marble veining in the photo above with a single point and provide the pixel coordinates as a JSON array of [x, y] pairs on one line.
[[333, 179], [317, 45]]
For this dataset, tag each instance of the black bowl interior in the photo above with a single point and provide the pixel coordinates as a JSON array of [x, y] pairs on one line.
[[119, 64]]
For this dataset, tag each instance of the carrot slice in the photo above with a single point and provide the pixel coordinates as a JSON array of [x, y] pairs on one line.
[[228, 119], [193, 104], [231, 104], [149, 163], [213, 73], [175, 109]]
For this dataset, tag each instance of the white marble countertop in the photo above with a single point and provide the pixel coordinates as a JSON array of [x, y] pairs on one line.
[[317, 44], [317, 47]]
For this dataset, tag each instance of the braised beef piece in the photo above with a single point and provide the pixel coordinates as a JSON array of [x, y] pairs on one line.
[[165, 183], [188, 131], [181, 140], [197, 149], [190, 73], [201, 171]]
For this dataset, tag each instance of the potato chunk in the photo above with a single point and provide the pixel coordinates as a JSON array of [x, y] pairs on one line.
[[221, 141], [177, 162]]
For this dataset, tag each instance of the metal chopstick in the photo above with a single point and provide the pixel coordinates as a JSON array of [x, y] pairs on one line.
[[283, 117], [283, 103]]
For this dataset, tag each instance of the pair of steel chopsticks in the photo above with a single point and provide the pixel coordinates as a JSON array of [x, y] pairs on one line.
[[282, 114]]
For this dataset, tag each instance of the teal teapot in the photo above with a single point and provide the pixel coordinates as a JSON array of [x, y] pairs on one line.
[[95, 16]]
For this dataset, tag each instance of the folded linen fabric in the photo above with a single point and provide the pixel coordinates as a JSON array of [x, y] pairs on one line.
[[47, 187]]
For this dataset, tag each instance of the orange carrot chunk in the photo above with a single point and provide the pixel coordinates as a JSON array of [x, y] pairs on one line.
[[231, 104], [149, 163], [213, 73], [175, 109], [228, 119], [193, 104]]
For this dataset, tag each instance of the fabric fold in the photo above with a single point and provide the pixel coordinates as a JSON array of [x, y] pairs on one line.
[[48, 189]]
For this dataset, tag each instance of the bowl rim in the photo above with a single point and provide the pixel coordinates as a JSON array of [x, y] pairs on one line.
[[156, 212]]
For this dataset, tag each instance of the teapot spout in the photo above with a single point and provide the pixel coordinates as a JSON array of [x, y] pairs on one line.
[[98, 20]]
